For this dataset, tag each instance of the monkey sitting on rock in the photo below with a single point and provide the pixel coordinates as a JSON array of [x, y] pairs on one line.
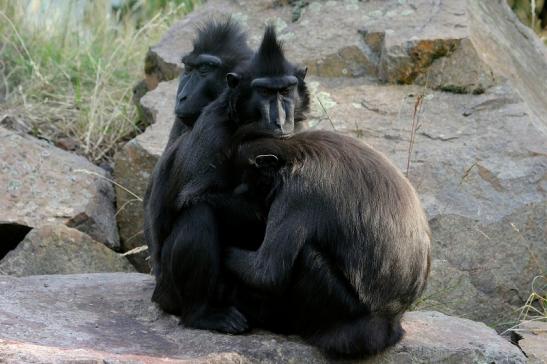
[[346, 245]]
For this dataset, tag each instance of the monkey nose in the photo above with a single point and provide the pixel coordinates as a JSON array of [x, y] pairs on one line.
[[280, 117]]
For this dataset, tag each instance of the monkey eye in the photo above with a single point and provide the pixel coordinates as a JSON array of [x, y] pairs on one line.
[[188, 68], [285, 91], [264, 91], [205, 69]]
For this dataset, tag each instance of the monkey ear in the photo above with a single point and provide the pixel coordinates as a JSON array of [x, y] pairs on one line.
[[264, 161], [301, 72], [233, 80]]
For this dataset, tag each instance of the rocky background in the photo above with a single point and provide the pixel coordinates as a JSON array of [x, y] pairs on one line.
[[533, 14], [453, 91]]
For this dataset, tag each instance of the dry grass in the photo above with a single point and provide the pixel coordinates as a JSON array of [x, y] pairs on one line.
[[73, 77], [535, 307], [532, 13]]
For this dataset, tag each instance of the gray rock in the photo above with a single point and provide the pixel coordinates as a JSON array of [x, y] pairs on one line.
[[57, 249], [134, 164], [395, 40], [43, 184], [512, 50], [109, 317], [398, 41], [462, 72], [534, 341]]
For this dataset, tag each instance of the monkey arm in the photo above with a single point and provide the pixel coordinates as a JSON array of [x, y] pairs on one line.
[[269, 267]]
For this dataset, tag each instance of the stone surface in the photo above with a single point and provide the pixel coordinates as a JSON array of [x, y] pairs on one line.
[[534, 341], [513, 50], [42, 184], [395, 40], [108, 317], [57, 249], [427, 43], [462, 72], [134, 164]]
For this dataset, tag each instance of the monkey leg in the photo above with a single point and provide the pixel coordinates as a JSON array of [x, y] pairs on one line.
[[366, 335], [165, 294], [347, 327], [194, 262]]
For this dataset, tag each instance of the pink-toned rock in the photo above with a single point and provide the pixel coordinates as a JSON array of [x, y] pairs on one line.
[[134, 165], [108, 317], [534, 341], [58, 249], [44, 185]]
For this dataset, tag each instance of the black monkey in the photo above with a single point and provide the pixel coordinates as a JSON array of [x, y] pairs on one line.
[[347, 243], [194, 189], [218, 48]]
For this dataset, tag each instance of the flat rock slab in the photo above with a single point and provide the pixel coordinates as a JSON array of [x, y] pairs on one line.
[[58, 249], [43, 185], [109, 317]]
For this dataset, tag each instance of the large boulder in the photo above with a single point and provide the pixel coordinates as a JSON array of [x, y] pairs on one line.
[[476, 154], [394, 40], [45, 185], [58, 249], [448, 45], [513, 50], [108, 317]]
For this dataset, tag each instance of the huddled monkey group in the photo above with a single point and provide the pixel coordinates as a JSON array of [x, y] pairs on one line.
[[254, 222]]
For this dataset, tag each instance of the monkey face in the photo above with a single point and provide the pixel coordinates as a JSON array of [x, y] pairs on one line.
[[200, 84]]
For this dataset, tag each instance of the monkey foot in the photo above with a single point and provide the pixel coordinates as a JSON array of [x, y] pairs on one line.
[[227, 320]]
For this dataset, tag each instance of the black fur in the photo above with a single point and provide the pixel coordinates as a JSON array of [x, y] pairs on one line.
[[224, 39], [201, 83], [347, 244], [227, 41], [270, 61], [193, 188]]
